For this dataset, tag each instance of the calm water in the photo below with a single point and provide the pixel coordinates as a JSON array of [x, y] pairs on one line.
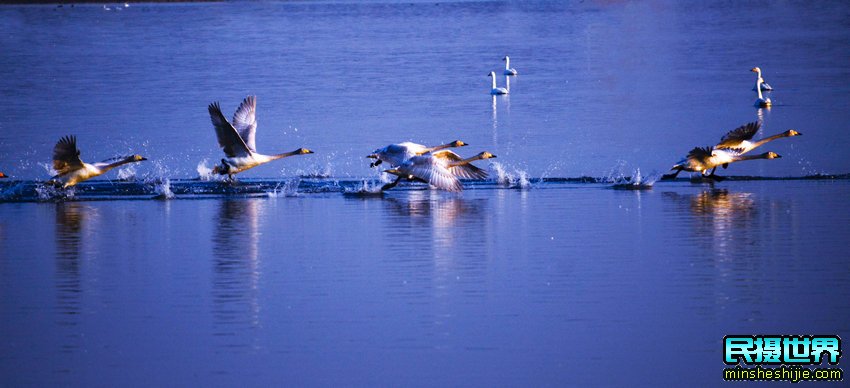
[[281, 280]]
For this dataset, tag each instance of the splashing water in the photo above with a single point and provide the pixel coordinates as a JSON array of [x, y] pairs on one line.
[[288, 188], [127, 173], [162, 188], [517, 179], [204, 172], [49, 192], [636, 181]]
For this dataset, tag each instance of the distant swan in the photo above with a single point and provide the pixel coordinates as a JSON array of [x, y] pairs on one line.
[[396, 154], [496, 90], [763, 86], [71, 170], [762, 102], [703, 159], [441, 170], [239, 139], [508, 70]]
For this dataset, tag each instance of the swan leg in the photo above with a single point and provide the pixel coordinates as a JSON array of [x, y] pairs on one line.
[[391, 185], [725, 166], [712, 171], [671, 176]]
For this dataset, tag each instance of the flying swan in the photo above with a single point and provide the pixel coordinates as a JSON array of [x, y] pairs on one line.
[[396, 154], [239, 139], [70, 170], [440, 169]]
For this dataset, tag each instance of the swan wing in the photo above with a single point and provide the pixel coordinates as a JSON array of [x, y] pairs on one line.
[[700, 155], [431, 170], [228, 138], [464, 171], [66, 156], [737, 135], [245, 122]]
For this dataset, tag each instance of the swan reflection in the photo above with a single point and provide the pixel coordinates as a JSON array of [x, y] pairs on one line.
[[71, 231], [236, 263]]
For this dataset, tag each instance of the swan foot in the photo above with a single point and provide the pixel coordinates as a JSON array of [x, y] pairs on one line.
[[391, 185]]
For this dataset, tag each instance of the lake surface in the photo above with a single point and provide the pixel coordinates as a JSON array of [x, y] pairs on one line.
[[537, 277]]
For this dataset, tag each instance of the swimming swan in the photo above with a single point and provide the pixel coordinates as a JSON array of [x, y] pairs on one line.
[[508, 70], [762, 102], [763, 86], [396, 154], [71, 170], [496, 90], [703, 159], [239, 139], [440, 169]]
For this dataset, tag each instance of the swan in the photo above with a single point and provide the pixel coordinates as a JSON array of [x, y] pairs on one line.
[[508, 70], [239, 139], [762, 102], [396, 154], [71, 170], [496, 90], [738, 139], [703, 159], [763, 86], [441, 170]]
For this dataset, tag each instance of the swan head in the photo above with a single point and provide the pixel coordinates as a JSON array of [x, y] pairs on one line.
[[485, 155], [137, 158], [303, 151], [492, 74], [771, 155], [458, 143], [505, 58], [792, 132], [755, 70]]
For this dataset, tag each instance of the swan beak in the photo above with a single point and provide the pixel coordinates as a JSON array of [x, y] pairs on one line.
[[372, 156], [143, 158]]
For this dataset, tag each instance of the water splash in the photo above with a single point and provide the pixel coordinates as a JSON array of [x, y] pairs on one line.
[[515, 179], [636, 181], [127, 173], [162, 188], [47, 192], [287, 188], [366, 188], [205, 172]]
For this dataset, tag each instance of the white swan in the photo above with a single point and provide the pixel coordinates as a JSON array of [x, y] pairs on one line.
[[239, 139], [739, 139], [396, 154], [762, 102], [441, 170], [70, 170], [496, 90], [764, 86], [508, 70], [703, 159]]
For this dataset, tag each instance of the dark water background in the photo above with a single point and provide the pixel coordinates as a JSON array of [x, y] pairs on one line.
[[562, 283]]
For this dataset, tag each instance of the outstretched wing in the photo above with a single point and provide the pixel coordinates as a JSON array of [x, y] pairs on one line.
[[433, 171], [464, 171], [737, 135], [700, 154], [245, 122], [228, 138], [66, 156]]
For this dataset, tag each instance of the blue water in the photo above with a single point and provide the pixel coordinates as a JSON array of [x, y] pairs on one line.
[[290, 277]]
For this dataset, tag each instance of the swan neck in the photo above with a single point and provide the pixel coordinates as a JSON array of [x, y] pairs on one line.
[[770, 138], [284, 155], [465, 161], [507, 63], [494, 81], [116, 164]]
